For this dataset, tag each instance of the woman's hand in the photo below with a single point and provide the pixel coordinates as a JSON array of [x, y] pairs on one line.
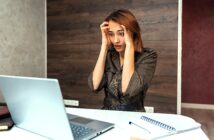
[[128, 37], [99, 68], [104, 31]]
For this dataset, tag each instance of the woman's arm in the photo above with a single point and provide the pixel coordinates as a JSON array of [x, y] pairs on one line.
[[128, 65], [145, 66], [99, 68], [100, 64]]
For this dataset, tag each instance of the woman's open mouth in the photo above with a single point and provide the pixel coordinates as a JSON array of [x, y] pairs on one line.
[[118, 46]]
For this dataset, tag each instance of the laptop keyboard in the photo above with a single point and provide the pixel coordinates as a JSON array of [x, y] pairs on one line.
[[80, 131]]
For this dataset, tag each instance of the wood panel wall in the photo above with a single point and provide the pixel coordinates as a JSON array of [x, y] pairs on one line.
[[74, 41]]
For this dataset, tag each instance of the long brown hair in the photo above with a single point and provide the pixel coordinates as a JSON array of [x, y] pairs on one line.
[[126, 18]]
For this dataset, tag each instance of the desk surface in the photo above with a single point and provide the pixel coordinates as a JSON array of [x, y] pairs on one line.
[[120, 131]]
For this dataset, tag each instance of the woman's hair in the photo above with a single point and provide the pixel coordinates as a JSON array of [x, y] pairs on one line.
[[126, 18]]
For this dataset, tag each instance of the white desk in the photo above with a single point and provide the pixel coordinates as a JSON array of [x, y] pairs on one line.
[[120, 118]]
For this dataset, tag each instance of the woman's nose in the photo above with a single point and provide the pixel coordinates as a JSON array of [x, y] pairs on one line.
[[116, 39]]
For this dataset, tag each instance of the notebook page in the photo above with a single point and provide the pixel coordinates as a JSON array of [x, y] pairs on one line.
[[179, 122], [161, 125]]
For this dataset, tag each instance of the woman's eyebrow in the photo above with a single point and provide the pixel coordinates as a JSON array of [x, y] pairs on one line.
[[120, 30], [116, 31]]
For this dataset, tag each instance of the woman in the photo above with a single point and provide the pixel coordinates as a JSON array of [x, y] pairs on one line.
[[124, 68]]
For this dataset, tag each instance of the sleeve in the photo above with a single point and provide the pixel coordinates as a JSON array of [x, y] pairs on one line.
[[90, 83], [143, 74]]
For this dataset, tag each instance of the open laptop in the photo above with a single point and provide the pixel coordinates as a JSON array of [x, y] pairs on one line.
[[36, 105]]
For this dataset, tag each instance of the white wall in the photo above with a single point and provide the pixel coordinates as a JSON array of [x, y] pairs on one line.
[[23, 38]]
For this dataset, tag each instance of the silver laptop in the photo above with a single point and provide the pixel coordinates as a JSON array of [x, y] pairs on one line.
[[36, 105]]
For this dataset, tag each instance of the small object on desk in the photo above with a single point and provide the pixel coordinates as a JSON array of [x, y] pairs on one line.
[[6, 121], [131, 123], [136, 138], [6, 124]]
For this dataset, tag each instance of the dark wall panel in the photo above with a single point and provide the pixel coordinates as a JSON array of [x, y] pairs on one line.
[[74, 41], [198, 52]]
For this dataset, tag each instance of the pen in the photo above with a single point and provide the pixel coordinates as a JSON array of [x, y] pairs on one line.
[[140, 127]]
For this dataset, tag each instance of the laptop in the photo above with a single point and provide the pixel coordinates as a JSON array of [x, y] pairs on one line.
[[36, 105]]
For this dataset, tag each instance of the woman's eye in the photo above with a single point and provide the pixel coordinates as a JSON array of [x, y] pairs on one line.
[[121, 33], [110, 34]]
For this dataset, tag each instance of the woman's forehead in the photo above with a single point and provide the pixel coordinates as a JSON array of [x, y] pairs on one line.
[[114, 26]]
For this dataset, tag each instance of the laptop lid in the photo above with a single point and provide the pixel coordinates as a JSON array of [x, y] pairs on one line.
[[31, 102]]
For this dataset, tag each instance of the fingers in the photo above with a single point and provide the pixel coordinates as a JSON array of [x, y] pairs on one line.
[[124, 29], [104, 25], [126, 32], [104, 30], [127, 35]]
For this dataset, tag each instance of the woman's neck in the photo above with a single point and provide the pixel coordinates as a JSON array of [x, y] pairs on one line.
[[121, 54]]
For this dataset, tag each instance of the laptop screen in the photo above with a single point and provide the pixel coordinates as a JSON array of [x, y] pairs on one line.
[[36, 105]]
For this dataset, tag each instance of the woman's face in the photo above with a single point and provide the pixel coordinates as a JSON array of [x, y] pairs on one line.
[[116, 35]]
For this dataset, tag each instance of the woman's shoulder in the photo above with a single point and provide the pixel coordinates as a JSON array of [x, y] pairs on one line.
[[148, 51], [146, 54]]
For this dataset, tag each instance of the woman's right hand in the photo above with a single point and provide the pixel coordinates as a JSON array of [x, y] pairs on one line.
[[104, 31]]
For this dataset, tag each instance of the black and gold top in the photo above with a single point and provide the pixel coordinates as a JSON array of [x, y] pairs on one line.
[[133, 98]]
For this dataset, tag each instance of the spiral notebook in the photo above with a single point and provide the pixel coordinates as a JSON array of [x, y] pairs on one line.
[[157, 125], [6, 121]]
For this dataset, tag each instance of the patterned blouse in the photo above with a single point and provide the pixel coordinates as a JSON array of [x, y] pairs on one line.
[[133, 98]]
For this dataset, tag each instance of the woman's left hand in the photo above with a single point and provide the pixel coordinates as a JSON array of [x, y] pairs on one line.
[[128, 37]]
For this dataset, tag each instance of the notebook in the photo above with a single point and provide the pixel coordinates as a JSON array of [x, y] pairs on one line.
[[4, 112], [157, 125], [36, 105], [6, 121]]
